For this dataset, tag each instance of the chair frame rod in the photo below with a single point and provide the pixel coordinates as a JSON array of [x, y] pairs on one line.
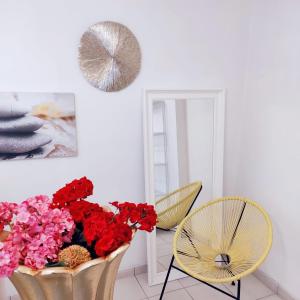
[[172, 260], [237, 297]]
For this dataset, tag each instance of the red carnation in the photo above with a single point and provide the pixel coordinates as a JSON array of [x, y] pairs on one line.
[[102, 230], [81, 210], [114, 236], [76, 190], [142, 216], [106, 245]]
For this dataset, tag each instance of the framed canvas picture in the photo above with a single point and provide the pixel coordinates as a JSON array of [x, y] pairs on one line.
[[37, 125]]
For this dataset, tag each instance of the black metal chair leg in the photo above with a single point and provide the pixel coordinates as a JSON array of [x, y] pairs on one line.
[[239, 290], [167, 277]]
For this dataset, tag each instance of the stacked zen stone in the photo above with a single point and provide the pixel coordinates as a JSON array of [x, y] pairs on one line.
[[17, 129]]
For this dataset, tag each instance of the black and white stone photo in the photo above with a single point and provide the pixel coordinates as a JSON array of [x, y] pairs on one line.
[[37, 125]]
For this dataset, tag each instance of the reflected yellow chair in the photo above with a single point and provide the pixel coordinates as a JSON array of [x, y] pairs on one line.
[[172, 208], [222, 241]]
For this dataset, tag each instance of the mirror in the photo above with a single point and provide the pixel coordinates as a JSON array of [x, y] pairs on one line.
[[184, 137]]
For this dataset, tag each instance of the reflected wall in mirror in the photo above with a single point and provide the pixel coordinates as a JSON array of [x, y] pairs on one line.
[[184, 137]]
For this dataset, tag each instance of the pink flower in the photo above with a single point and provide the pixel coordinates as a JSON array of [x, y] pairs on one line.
[[23, 216], [9, 259], [7, 211], [37, 236]]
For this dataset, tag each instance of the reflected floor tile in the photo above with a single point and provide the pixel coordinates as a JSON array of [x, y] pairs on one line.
[[128, 289], [165, 260], [175, 295], [167, 236], [154, 290], [164, 249], [159, 241]]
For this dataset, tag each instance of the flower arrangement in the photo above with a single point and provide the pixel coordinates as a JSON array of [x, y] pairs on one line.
[[43, 231]]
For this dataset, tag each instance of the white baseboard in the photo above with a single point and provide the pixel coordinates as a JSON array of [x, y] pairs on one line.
[[273, 285], [283, 294], [267, 281]]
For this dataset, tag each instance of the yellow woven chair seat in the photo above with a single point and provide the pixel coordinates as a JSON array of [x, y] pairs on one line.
[[172, 208], [224, 240]]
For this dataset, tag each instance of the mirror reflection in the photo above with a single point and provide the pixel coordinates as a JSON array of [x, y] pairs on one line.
[[183, 161]]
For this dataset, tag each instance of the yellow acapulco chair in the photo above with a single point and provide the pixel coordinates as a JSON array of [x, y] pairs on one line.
[[222, 241], [173, 208]]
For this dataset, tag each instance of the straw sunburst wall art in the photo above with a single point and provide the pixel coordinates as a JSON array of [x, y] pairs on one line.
[[109, 56]]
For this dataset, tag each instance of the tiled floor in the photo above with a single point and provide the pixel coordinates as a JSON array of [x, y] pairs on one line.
[[136, 288]]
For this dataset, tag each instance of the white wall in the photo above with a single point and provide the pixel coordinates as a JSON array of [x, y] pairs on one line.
[[270, 150], [200, 136], [171, 147], [185, 44], [182, 143]]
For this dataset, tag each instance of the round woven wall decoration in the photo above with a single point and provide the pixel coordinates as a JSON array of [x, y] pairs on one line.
[[109, 56]]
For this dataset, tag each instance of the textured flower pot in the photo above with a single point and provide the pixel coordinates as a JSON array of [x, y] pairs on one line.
[[93, 280]]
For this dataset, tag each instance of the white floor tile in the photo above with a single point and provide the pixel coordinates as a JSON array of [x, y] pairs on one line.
[[128, 289], [252, 289], [188, 281], [175, 295], [273, 297], [154, 290], [202, 291], [167, 236]]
